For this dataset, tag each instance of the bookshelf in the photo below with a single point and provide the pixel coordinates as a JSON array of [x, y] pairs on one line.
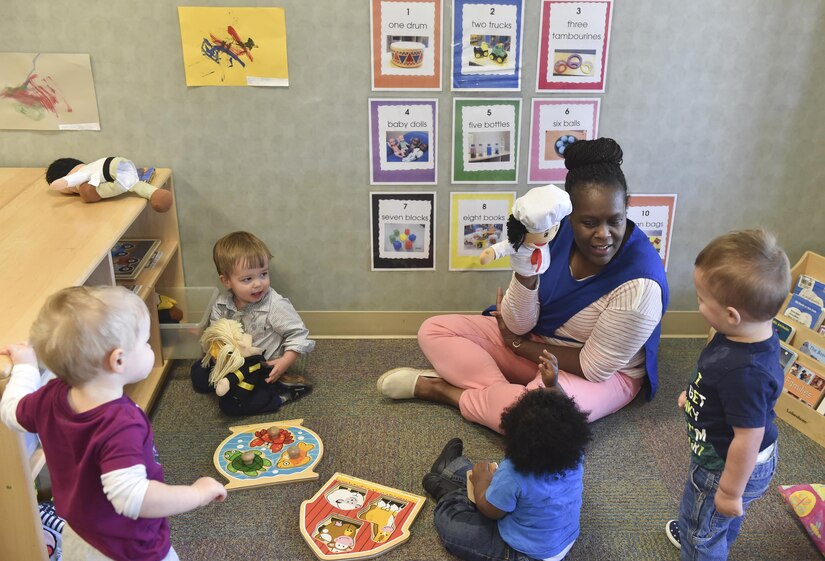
[[51, 241]]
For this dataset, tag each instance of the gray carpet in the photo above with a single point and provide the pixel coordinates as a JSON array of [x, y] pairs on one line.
[[634, 470]]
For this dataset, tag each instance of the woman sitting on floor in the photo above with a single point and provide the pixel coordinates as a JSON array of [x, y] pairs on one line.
[[597, 309]]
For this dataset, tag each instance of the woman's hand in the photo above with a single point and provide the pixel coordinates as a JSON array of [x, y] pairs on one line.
[[508, 336], [548, 368]]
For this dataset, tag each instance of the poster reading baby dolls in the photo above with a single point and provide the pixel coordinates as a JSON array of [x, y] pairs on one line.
[[478, 221], [555, 124], [406, 44], [403, 141], [485, 140], [403, 231], [573, 46], [654, 215], [487, 45]]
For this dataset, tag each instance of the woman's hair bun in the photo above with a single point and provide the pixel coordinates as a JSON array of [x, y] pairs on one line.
[[590, 152]]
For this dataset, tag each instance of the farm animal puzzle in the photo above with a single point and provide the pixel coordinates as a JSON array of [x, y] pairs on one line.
[[351, 518]]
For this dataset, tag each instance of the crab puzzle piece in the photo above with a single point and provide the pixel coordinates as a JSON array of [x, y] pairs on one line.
[[268, 454], [351, 518]]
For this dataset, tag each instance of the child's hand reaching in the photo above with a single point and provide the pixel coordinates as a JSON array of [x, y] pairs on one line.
[[682, 400], [20, 353], [210, 490], [548, 368]]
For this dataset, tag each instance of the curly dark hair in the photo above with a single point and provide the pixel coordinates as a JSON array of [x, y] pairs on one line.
[[60, 168], [594, 162], [544, 432]]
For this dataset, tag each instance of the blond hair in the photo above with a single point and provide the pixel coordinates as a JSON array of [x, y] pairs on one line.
[[220, 341], [748, 271], [239, 250], [78, 327]]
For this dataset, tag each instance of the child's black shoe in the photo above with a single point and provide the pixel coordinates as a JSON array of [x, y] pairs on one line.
[[437, 485]]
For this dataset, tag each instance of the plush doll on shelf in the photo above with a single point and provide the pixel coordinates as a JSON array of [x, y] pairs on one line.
[[102, 179], [239, 372], [534, 222], [168, 311]]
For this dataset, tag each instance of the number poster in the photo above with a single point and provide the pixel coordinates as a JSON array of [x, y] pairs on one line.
[[555, 125], [403, 231], [406, 44], [573, 43], [477, 221], [485, 140], [654, 215], [403, 141], [487, 45]]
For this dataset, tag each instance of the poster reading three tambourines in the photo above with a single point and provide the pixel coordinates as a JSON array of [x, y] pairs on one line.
[[406, 44], [573, 46]]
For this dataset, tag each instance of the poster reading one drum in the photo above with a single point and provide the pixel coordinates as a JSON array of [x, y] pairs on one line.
[[403, 141], [487, 45], [477, 221], [573, 46], [403, 229], [485, 140], [555, 124], [406, 44]]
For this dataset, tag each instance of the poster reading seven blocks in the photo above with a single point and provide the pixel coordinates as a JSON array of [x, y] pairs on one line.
[[485, 140], [555, 125], [403, 141], [487, 44], [573, 43], [477, 221], [406, 44], [403, 229]]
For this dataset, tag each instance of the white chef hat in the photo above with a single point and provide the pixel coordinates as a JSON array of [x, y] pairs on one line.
[[541, 208]]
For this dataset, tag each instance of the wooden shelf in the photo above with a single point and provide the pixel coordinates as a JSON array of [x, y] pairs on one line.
[[74, 240]]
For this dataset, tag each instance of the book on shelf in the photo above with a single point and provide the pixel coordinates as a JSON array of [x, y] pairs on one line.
[[805, 383], [811, 288], [814, 351], [783, 330], [146, 174], [130, 256], [805, 311]]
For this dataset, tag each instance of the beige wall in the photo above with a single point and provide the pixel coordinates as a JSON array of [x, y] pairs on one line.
[[715, 101]]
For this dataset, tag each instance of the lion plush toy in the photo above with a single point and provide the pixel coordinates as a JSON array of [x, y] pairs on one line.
[[103, 179], [532, 225]]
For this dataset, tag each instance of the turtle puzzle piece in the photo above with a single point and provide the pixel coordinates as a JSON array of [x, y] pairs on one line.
[[268, 453]]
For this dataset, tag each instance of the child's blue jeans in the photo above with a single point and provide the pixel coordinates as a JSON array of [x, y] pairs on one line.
[[465, 532], [705, 534]]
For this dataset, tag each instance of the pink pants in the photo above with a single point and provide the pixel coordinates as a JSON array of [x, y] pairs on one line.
[[469, 353]]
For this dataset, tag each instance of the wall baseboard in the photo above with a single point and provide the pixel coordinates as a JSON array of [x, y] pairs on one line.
[[404, 325]]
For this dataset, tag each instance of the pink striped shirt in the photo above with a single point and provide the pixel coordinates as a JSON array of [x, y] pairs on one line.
[[611, 331]]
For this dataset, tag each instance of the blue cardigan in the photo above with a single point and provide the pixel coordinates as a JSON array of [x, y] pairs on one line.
[[561, 296]]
